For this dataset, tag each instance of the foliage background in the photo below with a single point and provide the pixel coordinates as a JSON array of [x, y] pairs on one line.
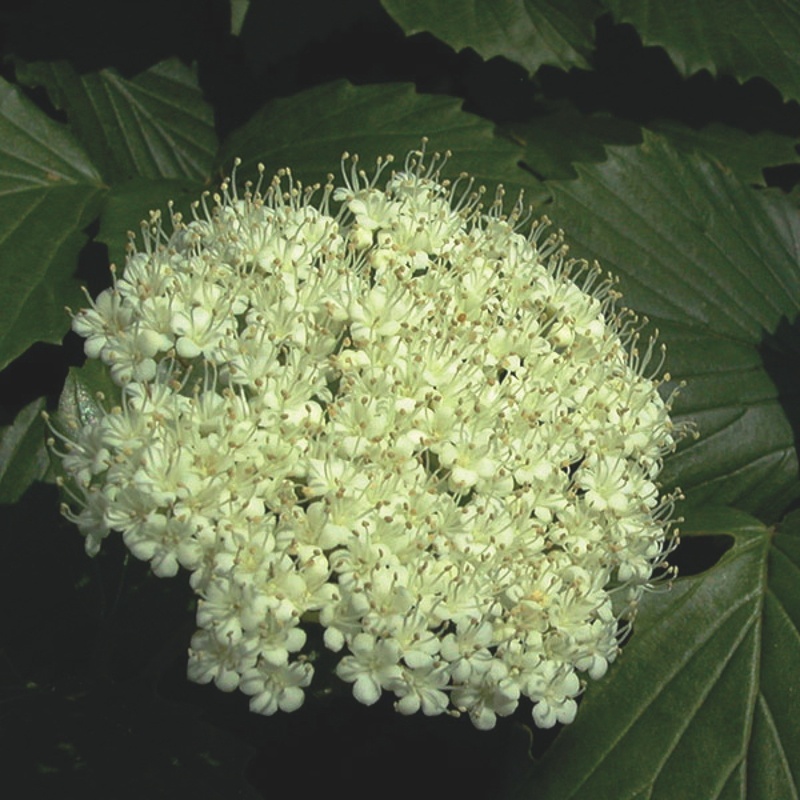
[[661, 135]]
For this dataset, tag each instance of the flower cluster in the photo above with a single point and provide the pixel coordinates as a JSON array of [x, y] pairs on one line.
[[383, 409]]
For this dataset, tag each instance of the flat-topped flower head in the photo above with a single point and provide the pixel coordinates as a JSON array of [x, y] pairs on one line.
[[389, 409]]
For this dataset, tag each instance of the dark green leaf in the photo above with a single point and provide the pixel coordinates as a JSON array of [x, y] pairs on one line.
[[746, 154], [154, 126], [530, 33], [703, 700], [561, 137], [740, 38], [310, 131], [23, 455], [714, 264], [746, 452], [556, 140], [49, 191]]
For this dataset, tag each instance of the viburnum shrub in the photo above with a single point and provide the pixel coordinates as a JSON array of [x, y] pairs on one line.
[[389, 409]]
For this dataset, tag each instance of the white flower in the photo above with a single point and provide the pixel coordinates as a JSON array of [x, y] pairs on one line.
[[404, 419], [421, 688], [219, 660], [108, 317], [553, 688], [490, 692], [372, 667], [277, 687]]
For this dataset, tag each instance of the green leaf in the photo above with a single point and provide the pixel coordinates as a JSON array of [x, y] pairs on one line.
[[23, 454], [556, 140], [561, 137], [703, 700], [238, 14], [746, 454], [739, 38], [154, 126], [310, 131], [530, 33], [49, 192], [714, 264], [746, 154]]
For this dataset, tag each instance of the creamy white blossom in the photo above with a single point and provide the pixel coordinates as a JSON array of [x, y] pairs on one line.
[[388, 410]]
